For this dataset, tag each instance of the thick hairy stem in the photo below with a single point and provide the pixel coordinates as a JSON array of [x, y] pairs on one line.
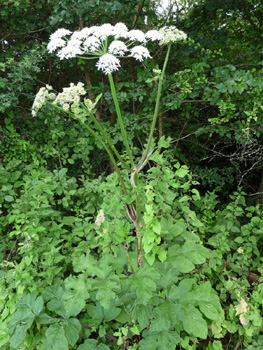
[[139, 245], [118, 111], [156, 110]]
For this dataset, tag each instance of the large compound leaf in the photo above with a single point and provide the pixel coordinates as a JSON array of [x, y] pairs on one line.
[[206, 299], [184, 257], [55, 339], [193, 322]]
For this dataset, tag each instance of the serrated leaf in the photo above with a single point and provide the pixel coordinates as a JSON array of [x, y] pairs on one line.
[[193, 322], [55, 339], [143, 284], [72, 328], [90, 265], [105, 296], [18, 325], [4, 334], [143, 314], [90, 344], [31, 302], [205, 295], [76, 294], [56, 303]]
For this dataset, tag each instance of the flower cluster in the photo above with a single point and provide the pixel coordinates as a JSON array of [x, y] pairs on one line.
[[109, 43], [171, 35], [43, 95], [70, 95], [68, 98], [100, 218]]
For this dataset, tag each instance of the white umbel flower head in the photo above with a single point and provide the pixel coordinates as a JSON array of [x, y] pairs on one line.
[[71, 50], [120, 30], [102, 32], [154, 35], [91, 44], [136, 35], [55, 44], [60, 33], [140, 53], [118, 47], [70, 95], [41, 98], [108, 63], [56, 40], [171, 35]]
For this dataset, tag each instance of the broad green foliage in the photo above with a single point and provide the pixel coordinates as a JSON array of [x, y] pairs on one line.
[[67, 283]]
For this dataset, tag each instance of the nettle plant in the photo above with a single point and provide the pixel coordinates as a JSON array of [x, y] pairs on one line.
[[129, 284]]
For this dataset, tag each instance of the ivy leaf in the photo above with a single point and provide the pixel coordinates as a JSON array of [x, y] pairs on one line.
[[193, 322], [72, 328], [55, 339]]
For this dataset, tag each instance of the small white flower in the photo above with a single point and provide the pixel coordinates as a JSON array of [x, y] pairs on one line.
[[154, 35], [140, 52], [108, 63], [136, 35], [100, 218], [171, 34], [71, 50], [240, 250], [117, 47], [120, 30], [91, 44]]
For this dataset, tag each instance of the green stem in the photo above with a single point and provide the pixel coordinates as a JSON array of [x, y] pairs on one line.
[[117, 107], [156, 110], [108, 140], [103, 144]]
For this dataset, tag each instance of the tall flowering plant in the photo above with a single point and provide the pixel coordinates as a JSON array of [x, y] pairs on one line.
[[107, 44]]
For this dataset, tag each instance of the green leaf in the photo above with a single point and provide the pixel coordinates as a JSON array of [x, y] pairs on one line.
[[184, 257], [143, 284], [142, 313], [90, 344], [9, 198], [193, 322], [4, 334], [72, 328], [206, 299], [18, 325], [165, 315], [55, 339], [76, 294], [68, 220], [31, 302], [55, 296]]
